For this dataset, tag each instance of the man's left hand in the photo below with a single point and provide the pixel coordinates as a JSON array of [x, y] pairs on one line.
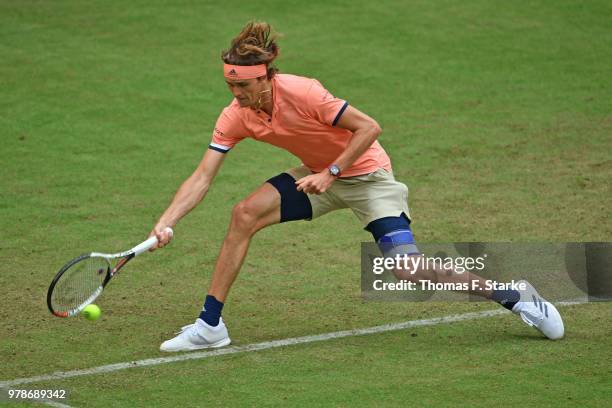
[[315, 183]]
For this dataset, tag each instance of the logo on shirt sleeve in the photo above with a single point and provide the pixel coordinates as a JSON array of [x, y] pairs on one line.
[[219, 133], [327, 96]]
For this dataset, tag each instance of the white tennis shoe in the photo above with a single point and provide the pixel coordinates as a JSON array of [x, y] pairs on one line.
[[539, 313], [198, 335]]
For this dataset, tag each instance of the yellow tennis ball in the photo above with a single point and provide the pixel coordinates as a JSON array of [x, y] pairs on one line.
[[91, 312]]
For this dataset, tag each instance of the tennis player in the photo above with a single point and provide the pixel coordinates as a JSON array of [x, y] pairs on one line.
[[343, 166]]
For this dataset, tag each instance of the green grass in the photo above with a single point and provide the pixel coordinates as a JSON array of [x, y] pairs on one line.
[[496, 114], [474, 363]]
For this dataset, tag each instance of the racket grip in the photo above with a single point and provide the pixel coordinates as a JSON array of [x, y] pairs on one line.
[[149, 243]]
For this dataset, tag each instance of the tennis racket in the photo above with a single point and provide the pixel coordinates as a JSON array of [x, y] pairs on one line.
[[83, 279]]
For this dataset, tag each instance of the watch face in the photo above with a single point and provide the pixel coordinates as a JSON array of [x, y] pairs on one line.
[[334, 170]]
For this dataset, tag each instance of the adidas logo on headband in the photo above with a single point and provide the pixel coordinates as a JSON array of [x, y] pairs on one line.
[[244, 71]]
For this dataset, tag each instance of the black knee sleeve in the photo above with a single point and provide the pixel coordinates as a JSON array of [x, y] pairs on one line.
[[295, 204]]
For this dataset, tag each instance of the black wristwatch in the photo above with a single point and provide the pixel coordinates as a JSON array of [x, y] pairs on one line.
[[334, 170]]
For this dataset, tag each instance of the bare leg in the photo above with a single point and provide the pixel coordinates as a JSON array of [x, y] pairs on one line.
[[258, 210]]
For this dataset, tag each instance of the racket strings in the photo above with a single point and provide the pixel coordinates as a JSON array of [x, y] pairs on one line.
[[79, 283]]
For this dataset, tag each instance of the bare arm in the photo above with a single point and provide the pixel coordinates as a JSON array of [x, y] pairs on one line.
[[189, 195], [365, 131]]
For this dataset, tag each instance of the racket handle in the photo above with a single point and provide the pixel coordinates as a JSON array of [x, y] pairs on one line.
[[149, 243]]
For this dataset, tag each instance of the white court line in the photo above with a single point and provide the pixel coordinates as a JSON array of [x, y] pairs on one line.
[[60, 375], [52, 403]]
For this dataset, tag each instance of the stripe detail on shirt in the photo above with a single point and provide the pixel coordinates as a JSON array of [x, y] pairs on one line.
[[340, 113], [219, 148]]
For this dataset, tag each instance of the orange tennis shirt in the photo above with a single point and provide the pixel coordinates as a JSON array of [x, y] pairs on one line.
[[303, 122]]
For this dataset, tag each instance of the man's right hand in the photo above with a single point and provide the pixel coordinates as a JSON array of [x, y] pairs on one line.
[[163, 235]]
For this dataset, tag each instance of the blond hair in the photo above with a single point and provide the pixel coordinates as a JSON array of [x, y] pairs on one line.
[[255, 45]]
